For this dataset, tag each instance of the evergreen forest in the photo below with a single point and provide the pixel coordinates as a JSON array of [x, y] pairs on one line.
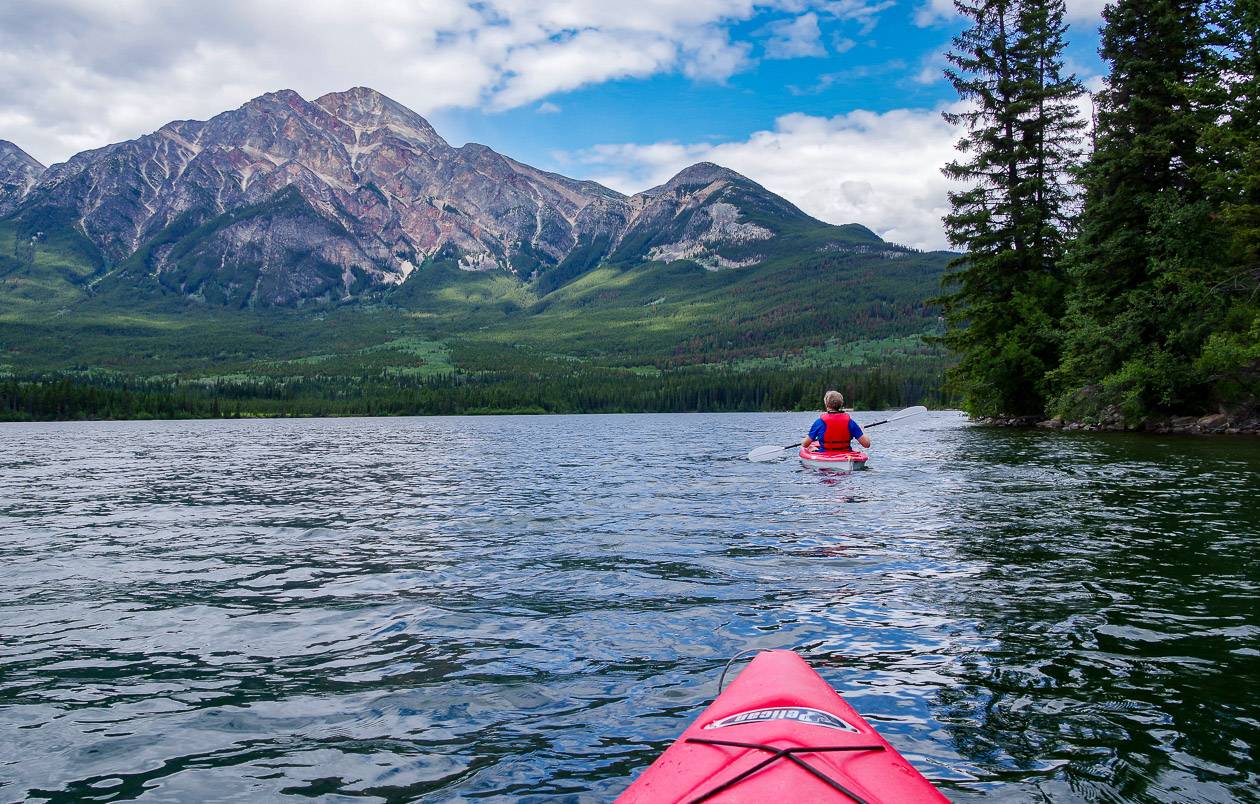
[[1111, 262]]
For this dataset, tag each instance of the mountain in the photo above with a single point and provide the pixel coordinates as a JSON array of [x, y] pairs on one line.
[[285, 201], [339, 256], [18, 174]]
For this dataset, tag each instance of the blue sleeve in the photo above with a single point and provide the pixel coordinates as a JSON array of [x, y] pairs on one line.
[[816, 432], [854, 430]]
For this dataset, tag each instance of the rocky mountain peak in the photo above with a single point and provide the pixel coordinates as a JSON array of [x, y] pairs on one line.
[[701, 174], [282, 200], [366, 109], [708, 183], [18, 173], [279, 100], [480, 151], [11, 154]]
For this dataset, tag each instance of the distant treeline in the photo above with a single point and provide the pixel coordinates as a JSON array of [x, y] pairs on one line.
[[112, 397], [1112, 266]]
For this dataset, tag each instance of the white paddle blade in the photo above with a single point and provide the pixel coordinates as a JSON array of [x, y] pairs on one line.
[[917, 410], [767, 453]]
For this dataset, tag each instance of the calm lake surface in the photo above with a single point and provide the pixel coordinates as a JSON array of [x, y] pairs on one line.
[[534, 607]]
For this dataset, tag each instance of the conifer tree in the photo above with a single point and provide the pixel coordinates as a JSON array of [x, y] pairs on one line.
[[1230, 360], [1143, 266], [1021, 136], [1052, 131]]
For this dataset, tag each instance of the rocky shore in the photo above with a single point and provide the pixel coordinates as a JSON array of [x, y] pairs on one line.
[[1212, 424]]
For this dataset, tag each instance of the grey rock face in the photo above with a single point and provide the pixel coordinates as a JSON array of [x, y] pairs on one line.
[[18, 173], [696, 212], [371, 193]]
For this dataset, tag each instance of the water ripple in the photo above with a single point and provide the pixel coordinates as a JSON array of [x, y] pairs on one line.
[[497, 608]]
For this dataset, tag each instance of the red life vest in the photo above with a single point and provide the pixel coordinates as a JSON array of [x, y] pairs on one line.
[[836, 436]]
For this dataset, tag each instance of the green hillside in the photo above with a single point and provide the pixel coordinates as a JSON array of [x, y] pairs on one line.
[[44, 263], [834, 305]]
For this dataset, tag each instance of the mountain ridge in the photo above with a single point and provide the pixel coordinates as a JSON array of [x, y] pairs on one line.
[[339, 249], [19, 171], [198, 206]]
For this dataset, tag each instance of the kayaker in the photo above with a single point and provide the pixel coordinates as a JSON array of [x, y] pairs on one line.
[[833, 431]]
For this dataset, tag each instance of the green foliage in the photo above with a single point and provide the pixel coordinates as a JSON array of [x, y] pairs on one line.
[[1161, 272], [582, 259], [833, 305], [1021, 137], [97, 396], [44, 261], [1230, 360]]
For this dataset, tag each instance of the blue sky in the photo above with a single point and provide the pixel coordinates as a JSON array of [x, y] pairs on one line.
[[896, 64], [834, 104]]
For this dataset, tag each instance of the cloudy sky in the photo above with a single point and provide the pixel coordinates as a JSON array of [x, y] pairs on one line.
[[834, 104]]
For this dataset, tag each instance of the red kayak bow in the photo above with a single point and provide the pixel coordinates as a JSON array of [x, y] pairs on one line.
[[780, 733]]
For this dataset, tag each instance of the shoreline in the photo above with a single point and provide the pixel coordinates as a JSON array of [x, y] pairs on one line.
[[468, 413], [1208, 425]]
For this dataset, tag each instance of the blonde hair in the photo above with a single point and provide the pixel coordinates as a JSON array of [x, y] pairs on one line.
[[833, 401]]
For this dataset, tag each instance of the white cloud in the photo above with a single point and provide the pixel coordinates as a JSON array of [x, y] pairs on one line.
[[931, 68], [712, 56], [1085, 73], [1085, 10], [538, 70], [880, 170], [864, 12], [935, 12], [82, 73], [794, 38], [843, 44], [547, 107], [859, 72]]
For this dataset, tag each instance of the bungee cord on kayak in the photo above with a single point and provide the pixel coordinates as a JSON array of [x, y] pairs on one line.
[[789, 754], [725, 669], [781, 707]]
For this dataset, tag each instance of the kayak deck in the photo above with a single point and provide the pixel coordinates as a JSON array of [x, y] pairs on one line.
[[780, 733]]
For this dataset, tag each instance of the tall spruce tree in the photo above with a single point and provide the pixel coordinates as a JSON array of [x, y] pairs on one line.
[[1230, 360], [1052, 131], [1021, 137], [1144, 265]]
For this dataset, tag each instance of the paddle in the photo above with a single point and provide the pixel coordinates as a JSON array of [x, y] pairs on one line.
[[770, 451]]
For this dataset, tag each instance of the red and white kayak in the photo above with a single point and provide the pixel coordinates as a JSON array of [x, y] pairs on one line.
[[780, 733], [843, 460]]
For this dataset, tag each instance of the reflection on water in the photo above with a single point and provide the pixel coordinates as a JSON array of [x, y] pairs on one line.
[[521, 607]]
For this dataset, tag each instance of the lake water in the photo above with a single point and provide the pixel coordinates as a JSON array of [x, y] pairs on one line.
[[534, 607]]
